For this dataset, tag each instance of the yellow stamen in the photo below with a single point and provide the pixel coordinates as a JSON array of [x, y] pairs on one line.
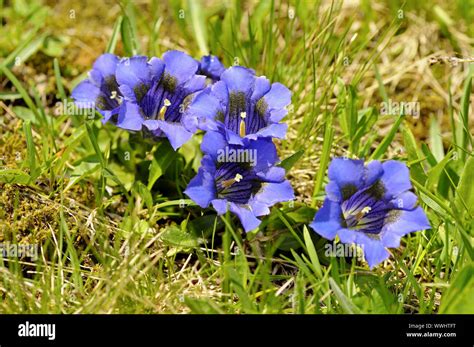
[[242, 132], [228, 183], [364, 211], [163, 109]]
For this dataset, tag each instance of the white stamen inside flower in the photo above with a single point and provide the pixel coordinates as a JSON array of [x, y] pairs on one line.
[[228, 183], [163, 109], [366, 209], [242, 131]]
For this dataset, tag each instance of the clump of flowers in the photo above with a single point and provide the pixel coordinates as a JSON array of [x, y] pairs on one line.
[[369, 205], [144, 94], [175, 96], [240, 113], [240, 105], [241, 178]]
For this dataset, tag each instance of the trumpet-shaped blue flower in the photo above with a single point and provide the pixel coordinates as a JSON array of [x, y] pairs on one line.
[[156, 93], [369, 205], [243, 179], [210, 66], [240, 105], [100, 90]]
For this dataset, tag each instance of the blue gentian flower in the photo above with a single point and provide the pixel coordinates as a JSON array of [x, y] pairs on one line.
[[371, 206], [156, 93], [100, 90], [210, 66], [243, 179], [240, 105]]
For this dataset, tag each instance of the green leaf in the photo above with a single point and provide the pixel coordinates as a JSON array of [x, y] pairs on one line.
[[382, 90], [59, 82], [14, 176], [312, 252], [198, 21], [200, 306], [465, 132], [174, 236], [436, 141], [290, 161], [25, 113], [383, 146], [145, 195], [204, 225], [459, 298], [435, 172], [30, 149], [191, 152], [325, 154], [115, 34], [54, 46], [416, 169], [302, 214], [464, 199], [162, 158], [344, 301], [129, 39], [95, 144], [24, 94]]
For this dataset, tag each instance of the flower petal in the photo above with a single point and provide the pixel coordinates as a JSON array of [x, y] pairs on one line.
[[277, 130], [278, 97], [220, 205], [202, 112], [211, 66], [274, 174], [134, 72], [395, 178], [201, 189], [194, 84], [373, 171], [347, 235], [266, 153], [220, 91], [238, 79], [348, 174], [246, 216], [402, 222], [106, 64], [374, 250], [180, 66], [175, 132], [157, 66], [333, 191], [212, 143], [130, 117], [269, 195], [405, 201], [85, 94], [327, 220], [262, 86]]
